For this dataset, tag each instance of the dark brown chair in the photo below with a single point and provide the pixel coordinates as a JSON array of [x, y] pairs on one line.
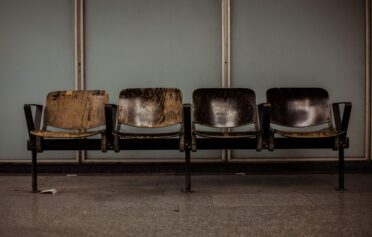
[[293, 109], [149, 108], [224, 109], [77, 115]]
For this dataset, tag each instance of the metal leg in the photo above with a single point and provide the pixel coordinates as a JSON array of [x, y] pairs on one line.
[[187, 170], [341, 166], [34, 171]]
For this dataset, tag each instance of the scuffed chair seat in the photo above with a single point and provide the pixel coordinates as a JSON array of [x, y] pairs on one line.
[[312, 134], [218, 111], [225, 108], [149, 110], [58, 134], [124, 135], [232, 135], [302, 111], [76, 114]]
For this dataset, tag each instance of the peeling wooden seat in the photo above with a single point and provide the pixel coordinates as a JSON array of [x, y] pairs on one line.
[[301, 110], [231, 135], [77, 114], [73, 110], [222, 110], [312, 134], [58, 134], [124, 135], [149, 109]]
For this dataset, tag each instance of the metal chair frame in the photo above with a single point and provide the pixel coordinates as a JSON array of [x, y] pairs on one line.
[[227, 108], [299, 108], [166, 109], [77, 112]]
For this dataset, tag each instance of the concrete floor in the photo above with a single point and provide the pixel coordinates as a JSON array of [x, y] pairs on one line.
[[152, 205]]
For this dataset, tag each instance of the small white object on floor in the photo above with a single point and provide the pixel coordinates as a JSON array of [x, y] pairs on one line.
[[71, 175], [239, 173], [49, 191]]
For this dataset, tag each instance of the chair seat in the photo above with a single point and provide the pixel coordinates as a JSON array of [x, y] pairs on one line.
[[246, 134], [147, 135], [313, 134], [58, 134]]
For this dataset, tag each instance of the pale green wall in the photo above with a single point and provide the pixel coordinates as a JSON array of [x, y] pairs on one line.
[[302, 43], [36, 56], [162, 43]]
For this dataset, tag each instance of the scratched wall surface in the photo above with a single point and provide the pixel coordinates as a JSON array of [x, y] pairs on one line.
[[37, 56]]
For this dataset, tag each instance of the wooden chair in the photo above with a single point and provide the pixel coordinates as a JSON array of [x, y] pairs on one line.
[[294, 109], [150, 108], [75, 114], [222, 108]]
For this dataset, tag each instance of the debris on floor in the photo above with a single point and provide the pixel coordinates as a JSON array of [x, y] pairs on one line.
[[49, 191]]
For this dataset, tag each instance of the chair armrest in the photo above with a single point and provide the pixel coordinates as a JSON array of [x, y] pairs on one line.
[[264, 116], [264, 110], [342, 123], [187, 126], [33, 121], [110, 118]]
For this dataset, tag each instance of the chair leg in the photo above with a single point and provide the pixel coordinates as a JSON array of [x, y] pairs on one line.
[[187, 170], [341, 167], [34, 171]]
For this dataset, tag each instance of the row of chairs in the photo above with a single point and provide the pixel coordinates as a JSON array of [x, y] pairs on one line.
[[219, 118]]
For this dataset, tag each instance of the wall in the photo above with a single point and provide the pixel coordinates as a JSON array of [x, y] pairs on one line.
[[36, 56], [302, 43], [177, 43], [163, 43]]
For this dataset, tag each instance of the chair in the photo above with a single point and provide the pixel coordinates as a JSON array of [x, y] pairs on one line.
[[148, 109], [299, 113], [75, 114], [225, 109]]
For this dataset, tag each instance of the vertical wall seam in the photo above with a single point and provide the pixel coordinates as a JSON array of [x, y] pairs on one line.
[[368, 79], [79, 55], [226, 56]]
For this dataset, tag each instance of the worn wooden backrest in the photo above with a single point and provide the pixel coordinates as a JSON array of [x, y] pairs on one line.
[[150, 107], [299, 107], [75, 109], [224, 108]]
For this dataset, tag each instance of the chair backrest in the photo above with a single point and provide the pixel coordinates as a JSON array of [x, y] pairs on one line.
[[150, 107], [299, 107], [75, 109], [224, 107]]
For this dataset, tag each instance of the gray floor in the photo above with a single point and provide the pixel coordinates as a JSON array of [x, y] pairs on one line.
[[152, 205]]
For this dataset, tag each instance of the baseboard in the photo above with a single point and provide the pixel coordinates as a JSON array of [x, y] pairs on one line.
[[197, 168]]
